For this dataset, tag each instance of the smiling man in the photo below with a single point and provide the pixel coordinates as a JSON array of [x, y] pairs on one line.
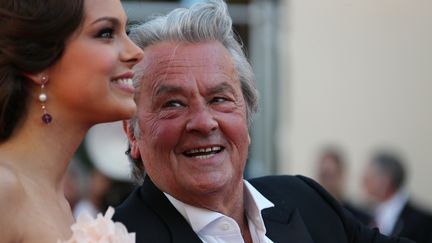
[[195, 99], [194, 126]]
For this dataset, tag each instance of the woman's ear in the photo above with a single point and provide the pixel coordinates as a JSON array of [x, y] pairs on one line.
[[37, 78], [133, 143]]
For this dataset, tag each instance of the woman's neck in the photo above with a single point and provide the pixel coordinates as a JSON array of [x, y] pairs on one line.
[[42, 152]]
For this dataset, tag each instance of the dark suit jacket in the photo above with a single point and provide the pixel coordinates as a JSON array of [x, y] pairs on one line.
[[303, 213], [359, 214], [414, 224]]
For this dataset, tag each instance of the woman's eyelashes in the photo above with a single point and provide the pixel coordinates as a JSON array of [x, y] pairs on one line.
[[106, 33]]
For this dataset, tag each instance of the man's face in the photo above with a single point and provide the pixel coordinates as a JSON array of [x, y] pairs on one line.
[[330, 176], [375, 184], [192, 118]]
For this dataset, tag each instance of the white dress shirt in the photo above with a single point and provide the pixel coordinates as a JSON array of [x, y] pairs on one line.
[[214, 227], [387, 213]]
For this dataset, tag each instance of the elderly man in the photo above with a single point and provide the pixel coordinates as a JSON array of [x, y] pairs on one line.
[[195, 100]]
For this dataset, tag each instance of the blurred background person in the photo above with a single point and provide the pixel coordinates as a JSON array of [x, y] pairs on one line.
[[97, 191], [94, 200], [72, 189], [99, 171], [330, 173], [393, 211]]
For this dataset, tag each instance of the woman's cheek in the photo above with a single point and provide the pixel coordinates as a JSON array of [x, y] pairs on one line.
[[105, 58]]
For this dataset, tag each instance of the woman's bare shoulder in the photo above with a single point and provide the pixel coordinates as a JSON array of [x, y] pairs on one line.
[[10, 184], [11, 187], [12, 197]]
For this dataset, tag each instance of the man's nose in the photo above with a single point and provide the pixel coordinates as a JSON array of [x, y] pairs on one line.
[[202, 121]]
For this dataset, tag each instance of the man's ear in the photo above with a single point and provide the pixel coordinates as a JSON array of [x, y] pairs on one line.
[[133, 143]]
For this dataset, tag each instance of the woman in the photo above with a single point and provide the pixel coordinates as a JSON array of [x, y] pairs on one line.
[[64, 66]]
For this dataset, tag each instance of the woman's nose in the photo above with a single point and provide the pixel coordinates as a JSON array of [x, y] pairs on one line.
[[131, 53]]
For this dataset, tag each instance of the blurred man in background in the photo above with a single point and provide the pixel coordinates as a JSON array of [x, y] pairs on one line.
[[94, 199], [394, 214], [331, 170]]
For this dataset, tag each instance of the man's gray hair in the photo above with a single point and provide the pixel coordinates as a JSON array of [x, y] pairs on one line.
[[390, 165], [202, 22]]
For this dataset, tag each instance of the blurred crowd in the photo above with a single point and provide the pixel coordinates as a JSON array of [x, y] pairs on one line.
[[389, 206], [91, 191]]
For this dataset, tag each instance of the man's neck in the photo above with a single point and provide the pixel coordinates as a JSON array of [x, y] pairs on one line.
[[249, 212], [228, 201], [244, 228]]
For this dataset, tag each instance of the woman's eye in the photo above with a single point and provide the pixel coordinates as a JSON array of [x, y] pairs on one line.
[[106, 33]]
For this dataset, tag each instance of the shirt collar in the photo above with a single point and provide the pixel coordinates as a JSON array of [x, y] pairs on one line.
[[199, 218], [255, 201], [388, 211], [396, 202]]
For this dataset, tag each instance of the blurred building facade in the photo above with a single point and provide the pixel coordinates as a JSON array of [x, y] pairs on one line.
[[359, 75]]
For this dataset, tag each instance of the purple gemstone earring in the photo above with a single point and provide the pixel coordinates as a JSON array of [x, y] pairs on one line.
[[46, 117]]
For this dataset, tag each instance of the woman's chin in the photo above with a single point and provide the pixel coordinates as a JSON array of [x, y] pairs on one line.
[[126, 111]]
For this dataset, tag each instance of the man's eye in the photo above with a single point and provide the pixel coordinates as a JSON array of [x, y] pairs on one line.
[[218, 100], [173, 104], [106, 33]]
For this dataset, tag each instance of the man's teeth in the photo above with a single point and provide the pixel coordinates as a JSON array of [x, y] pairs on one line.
[[125, 81], [203, 153], [204, 156], [204, 150]]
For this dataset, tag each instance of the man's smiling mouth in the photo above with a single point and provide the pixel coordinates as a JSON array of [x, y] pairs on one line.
[[203, 153]]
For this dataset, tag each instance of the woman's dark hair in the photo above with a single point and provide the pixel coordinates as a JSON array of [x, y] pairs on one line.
[[33, 35]]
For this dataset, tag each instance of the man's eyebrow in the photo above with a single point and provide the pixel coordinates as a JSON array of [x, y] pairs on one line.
[[222, 87], [167, 89], [171, 89]]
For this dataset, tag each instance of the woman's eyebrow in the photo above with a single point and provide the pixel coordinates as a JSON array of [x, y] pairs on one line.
[[113, 20]]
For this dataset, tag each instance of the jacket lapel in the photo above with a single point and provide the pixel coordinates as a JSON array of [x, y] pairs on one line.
[[400, 225], [284, 227], [280, 225], [180, 229]]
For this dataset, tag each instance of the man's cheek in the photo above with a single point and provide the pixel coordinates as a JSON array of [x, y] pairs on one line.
[[165, 133]]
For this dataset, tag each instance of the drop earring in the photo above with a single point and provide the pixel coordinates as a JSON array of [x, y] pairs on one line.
[[46, 117]]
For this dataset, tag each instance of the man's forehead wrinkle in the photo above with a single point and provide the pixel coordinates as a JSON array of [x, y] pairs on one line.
[[175, 64], [178, 66], [166, 67]]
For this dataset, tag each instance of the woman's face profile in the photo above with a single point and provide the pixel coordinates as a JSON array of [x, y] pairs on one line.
[[92, 80]]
